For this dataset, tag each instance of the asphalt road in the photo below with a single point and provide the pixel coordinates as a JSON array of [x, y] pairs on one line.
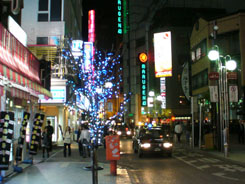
[[185, 167]]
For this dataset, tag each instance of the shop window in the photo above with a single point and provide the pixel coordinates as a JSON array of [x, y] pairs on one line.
[[42, 40]]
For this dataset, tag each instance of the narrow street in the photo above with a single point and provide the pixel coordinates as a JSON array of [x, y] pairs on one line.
[[183, 167]]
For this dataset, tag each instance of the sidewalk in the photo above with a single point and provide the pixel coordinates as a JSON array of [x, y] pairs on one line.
[[236, 152], [65, 166]]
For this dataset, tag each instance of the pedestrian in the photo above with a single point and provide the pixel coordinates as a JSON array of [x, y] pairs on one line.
[[188, 132], [178, 130], [241, 132], [85, 140], [50, 133], [45, 142], [67, 141], [80, 149]]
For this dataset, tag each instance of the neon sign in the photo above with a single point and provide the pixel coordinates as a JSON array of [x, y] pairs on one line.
[[91, 26], [87, 56], [119, 17], [143, 75]]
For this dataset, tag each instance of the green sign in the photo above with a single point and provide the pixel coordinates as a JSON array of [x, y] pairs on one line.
[[130, 115], [143, 85]]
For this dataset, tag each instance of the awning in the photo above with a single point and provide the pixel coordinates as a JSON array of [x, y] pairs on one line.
[[20, 94], [23, 82]]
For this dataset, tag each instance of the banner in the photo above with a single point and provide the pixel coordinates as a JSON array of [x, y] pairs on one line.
[[233, 93], [21, 139], [36, 133], [214, 96], [6, 135]]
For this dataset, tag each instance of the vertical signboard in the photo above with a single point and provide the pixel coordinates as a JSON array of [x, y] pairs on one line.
[[163, 91], [143, 77], [18, 156], [119, 17], [36, 133], [6, 135], [163, 54], [91, 26], [233, 93], [87, 56]]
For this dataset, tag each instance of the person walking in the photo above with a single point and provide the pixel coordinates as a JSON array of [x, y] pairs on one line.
[[178, 130], [85, 139], [80, 149], [241, 132], [50, 132], [67, 141], [45, 142]]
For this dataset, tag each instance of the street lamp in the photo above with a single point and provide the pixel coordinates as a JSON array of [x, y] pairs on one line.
[[224, 64]]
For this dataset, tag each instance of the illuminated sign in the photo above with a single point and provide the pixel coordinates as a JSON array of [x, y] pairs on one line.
[[58, 94], [143, 57], [163, 92], [119, 17], [163, 54], [77, 46], [143, 75], [87, 56], [91, 26]]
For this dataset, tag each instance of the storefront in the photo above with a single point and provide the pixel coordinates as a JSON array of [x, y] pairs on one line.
[[20, 88]]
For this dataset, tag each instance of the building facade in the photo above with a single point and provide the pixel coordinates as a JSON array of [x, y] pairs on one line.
[[51, 25], [227, 34]]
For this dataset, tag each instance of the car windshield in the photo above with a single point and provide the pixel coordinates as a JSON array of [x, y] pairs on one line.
[[154, 133]]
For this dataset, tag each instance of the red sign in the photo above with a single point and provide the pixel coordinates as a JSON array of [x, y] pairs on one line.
[[231, 75], [112, 147], [213, 76]]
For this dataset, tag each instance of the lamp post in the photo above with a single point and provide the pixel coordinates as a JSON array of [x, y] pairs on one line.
[[224, 64]]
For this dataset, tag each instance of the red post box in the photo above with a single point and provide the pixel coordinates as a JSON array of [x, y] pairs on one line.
[[113, 151]]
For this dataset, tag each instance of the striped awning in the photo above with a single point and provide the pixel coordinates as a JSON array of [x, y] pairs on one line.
[[17, 93], [22, 81]]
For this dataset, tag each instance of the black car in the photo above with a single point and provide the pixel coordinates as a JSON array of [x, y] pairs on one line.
[[123, 131], [152, 140]]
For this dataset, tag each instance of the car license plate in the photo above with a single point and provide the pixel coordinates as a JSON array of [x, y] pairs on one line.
[[157, 149]]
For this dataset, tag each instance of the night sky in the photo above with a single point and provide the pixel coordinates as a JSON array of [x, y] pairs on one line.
[[106, 25]]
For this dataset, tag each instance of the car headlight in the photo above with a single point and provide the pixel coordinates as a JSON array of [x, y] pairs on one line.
[[128, 132], [167, 145], [119, 133], [146, 145]]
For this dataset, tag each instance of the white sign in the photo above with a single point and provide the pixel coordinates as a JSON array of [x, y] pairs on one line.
[[163, 54], [150, 101], [17, 31], [233, 94], [214, 96], [77, 46], [58, 93]]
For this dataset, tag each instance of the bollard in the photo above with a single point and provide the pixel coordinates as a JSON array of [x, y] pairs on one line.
[[113, 167]]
